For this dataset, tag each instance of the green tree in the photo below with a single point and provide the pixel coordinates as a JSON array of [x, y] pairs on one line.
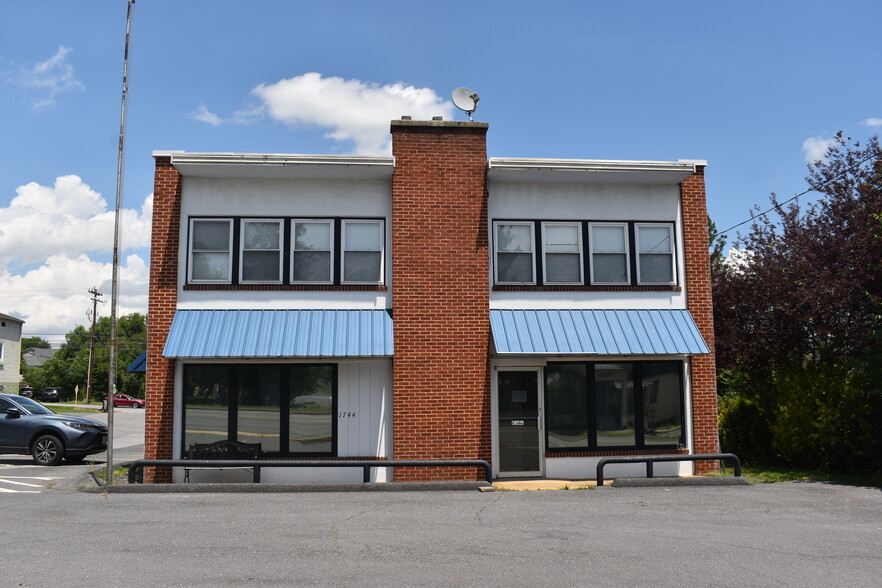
[[798, 317], [69, 368]]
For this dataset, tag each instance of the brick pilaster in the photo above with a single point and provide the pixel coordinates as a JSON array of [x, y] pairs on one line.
[[441, 390], [698, 301], [159, 425]]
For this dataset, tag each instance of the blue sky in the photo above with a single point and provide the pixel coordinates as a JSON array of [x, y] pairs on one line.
[[756, 88]]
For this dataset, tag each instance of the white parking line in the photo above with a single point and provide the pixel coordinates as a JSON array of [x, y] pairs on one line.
[[14, 481]]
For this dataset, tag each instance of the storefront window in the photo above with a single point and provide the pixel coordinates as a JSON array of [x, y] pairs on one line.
[[244, 402], [565, 406], [206, 403], [622, 405]]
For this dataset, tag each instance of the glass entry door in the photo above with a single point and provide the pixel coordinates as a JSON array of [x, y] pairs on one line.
[[519, 422]]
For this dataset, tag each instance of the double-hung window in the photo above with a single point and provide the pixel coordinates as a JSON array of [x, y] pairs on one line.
[[609, 253], [655, 253], [515, 260], [312, 252], [261, 251], [363, 242], [211, 246], [562, 253]]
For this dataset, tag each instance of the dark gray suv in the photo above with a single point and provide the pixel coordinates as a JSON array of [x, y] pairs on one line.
[[28, 427]]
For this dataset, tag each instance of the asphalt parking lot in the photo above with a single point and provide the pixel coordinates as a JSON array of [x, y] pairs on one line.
[[793, 534]]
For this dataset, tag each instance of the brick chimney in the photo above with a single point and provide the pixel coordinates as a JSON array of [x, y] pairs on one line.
[[440, 265]]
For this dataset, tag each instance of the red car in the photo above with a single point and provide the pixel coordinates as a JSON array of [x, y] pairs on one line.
[[126, 400]]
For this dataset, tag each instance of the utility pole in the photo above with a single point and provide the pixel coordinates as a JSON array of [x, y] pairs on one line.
[[95, 296], [114, 292]]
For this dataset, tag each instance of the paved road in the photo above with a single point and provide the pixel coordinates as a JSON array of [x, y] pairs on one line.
[[19, 474], [789, 534]]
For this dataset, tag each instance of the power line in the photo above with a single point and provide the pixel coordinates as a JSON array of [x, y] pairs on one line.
[[795, 196]]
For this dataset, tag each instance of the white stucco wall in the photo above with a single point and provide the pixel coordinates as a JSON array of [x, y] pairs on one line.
[[586, 201], [10, 357]]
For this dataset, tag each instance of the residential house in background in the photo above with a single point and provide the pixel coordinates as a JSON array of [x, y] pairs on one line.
[[10, 353], [37, 356], [537, 313]]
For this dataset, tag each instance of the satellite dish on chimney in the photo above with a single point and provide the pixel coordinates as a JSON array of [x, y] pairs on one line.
[[466, 100]]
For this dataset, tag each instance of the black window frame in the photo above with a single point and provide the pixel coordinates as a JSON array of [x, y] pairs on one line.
[[591, 409], [586, 252], [287, 251], [232, 406]]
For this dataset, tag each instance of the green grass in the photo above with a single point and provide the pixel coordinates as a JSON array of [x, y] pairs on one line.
[[772, 474], [120, 474]]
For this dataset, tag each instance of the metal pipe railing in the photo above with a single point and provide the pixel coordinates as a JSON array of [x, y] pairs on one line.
[[257, 464], [650, 459]]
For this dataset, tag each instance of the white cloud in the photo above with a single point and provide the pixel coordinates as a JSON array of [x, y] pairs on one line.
[[352, 110], [54, 298], [815, 148], [202, 114], [70, 216], [873, 122], [48, 79]]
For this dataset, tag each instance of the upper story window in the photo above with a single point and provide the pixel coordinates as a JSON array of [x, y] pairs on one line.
[[618, 253], [261, 253], [362, 251], [211, 246], [312, 255], [562, 253], [515, 261], [298, 251], [609, 253], [655, 254]]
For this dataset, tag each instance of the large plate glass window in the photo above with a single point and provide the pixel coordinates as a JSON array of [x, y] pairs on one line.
[[562, 251], [609, 253], [566, 410], [312, 251], [311, 409], [288, 408], [514, 245], [599, 406], [655, 254], [211, 242], [662, 405], [261, 255], [363, 242]]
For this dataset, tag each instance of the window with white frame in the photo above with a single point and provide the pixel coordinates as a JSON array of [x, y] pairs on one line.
[[363, 245], [312, 251], [609, 253], [562, 253], [261, 251], [655, 253], [515, 260], [211, 246]]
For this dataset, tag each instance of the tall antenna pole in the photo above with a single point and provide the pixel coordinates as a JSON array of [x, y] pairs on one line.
[[114, 296]]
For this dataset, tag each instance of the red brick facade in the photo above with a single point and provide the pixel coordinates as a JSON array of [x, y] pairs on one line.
[[699, 304], [441, 406], [440, 373], [159, 426]]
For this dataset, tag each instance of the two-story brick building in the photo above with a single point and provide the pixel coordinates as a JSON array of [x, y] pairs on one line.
[[436, 304]]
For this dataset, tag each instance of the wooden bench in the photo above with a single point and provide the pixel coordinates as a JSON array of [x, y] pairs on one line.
[[223, 450]]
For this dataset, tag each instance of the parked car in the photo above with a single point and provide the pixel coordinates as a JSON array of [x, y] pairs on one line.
[[27, 392], [28, 427], [50, 394], [126, 400]]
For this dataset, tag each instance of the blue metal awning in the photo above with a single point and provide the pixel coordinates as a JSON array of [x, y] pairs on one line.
[[280, 333], [139, 364], [601, 332]]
